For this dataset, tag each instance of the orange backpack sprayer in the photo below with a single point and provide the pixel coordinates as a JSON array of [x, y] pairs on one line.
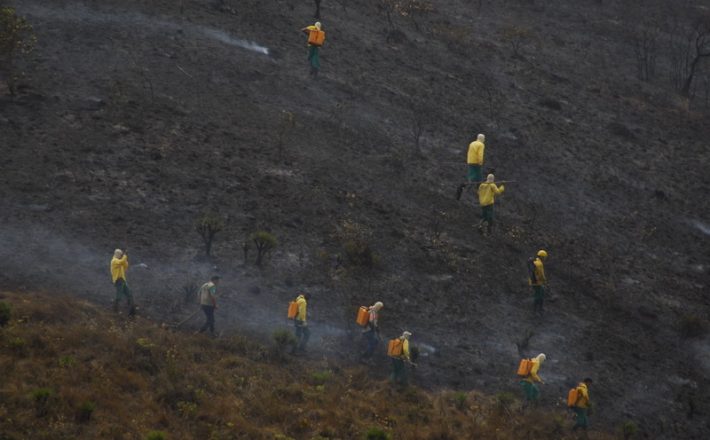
[[316, 37], [292, 310], [525, 367], [395, 347], [363, 316], [572, 397]]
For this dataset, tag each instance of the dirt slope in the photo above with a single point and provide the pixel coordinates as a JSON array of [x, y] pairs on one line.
[[135, 118]]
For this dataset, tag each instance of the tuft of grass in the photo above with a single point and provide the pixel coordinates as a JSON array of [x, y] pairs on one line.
[[156, 435], [40, 397], [459, 398], [321, 377], [85, 412], [67, 361], [5, 313], [376, 434]]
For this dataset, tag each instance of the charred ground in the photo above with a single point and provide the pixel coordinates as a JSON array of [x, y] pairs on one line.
[[134, 119]]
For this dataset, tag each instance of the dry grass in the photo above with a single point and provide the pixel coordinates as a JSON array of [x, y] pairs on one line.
[[137, 378]]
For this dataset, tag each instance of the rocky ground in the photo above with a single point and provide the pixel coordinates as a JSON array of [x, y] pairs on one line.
[[135, 118]]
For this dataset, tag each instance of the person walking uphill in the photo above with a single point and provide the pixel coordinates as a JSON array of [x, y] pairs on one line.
[[398, 350], [372, 332], [208, 303], [119, 267], [475, 159], [529, 382], [581, 405], [537, 280], [303, 333], [316, 38], [487, 193]]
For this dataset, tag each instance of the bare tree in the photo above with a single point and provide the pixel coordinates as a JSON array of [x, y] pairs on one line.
[[699, 49], [646, 50]]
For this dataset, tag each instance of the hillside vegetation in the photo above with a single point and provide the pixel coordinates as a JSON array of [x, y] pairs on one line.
[[132, 122], [71, 371]]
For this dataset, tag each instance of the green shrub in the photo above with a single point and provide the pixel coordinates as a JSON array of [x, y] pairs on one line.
[[504, 400], [376, 434], [67, 361], [283, 339], [5, 313], [629, 429], [85, 411], [17, 344], [41, 397], [321, 377], [156, 435], [358, 253], [459, 398]]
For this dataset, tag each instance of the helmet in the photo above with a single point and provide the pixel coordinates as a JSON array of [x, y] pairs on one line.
[[542, 253]]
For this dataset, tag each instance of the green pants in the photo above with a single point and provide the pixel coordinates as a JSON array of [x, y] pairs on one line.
[[581, 419], [530, 391], [487, 214], [399, 371], [474, 173], [538, 297], [314, 57], [123, 291]]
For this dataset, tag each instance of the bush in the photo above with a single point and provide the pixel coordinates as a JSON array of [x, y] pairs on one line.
[[18, 345], [5, 313], [283, 339], [629, 429], [67, 361], [504, 400], [41, 397], [692, 326], [459, 398], [156, 435], [321, 377], [85, 411], [358, 253], [376, 434]]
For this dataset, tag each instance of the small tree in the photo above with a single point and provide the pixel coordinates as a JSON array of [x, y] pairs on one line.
[[264, 242], [208, 226], [516, 36], [16, 38], [699, 49], [5, 313]]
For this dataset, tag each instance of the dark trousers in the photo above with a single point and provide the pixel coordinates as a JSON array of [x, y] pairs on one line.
[[399, 371], [581, 419], [372, 339], [303, 333], [209, 316], [538, 298], [122, 291]]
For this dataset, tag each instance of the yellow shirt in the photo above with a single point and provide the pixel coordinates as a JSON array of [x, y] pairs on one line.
[[582, 396], [302, 305], [487, 193], [475, 153], [119, 266], [405, 349], [539, 273], [533, 376]]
